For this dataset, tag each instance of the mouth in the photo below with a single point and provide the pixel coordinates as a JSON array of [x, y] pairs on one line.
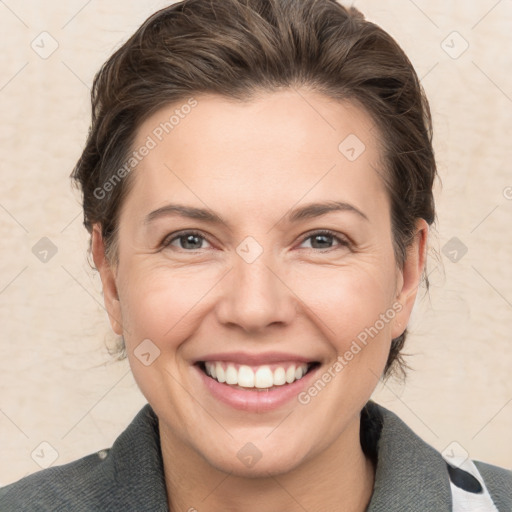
[[266, 377]]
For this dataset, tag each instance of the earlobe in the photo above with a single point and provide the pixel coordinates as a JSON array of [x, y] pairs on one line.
[[108, 281], [410, 277]]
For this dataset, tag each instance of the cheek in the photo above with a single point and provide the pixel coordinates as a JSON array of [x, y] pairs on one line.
[[348, 300], [160, 303], [167, 303]]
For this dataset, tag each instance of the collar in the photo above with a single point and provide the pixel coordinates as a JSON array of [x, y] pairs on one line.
[[410, 474], [138, 466]]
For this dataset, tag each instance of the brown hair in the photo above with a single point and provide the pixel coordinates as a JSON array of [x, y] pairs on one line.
[[236, 48]]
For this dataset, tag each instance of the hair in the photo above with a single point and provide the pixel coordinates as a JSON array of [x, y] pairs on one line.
[[237, 49]]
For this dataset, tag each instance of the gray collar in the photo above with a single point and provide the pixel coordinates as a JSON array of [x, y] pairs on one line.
[[138, 467], [411, 475]]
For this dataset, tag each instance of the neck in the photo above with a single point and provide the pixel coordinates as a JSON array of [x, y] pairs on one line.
[[338, 478]]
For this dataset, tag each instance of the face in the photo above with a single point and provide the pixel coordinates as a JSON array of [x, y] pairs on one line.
[[227, 267]]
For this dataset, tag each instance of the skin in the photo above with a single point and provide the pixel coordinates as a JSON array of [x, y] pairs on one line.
[[251, 163]]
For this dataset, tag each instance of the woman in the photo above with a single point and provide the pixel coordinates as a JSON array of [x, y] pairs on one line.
[[257, 182]]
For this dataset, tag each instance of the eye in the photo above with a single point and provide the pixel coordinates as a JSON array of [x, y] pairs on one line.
[[323, 240], [192, 240], [186, 240]]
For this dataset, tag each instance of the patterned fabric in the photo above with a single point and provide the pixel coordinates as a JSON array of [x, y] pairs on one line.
[[411, 476], [469, 493]]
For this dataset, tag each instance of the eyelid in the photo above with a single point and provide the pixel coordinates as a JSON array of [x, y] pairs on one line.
[[343, 240], [171, 237]]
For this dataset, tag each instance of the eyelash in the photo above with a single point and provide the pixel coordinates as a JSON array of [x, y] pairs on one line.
[[343, 242]]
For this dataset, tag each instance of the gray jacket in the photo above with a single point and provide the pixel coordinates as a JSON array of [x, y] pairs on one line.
[[411, 475]]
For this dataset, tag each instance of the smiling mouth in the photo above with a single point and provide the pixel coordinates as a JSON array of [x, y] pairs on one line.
[[256, 378]]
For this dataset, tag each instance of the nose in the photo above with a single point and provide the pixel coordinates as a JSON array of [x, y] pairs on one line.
[[256, 296]]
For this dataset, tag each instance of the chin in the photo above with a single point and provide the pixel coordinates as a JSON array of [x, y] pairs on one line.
[[260, 469], [250, 462]]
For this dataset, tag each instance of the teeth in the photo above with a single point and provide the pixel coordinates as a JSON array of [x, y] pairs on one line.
[[245, 377], [231, 375], [218, 373], [290, 374], [262, 377], [279, 376]]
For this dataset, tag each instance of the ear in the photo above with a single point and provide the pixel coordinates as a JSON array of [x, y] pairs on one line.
[[107, 274], [409, 277]]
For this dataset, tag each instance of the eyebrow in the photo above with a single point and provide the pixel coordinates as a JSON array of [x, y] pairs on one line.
[[184, 211], [318, 209], [308, 211]]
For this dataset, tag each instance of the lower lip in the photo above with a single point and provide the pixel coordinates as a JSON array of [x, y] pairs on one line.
[[254, 400]]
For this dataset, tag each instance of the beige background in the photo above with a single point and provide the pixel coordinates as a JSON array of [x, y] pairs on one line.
[[56, 383]]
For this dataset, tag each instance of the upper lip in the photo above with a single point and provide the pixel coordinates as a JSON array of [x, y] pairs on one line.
[[255, 359]]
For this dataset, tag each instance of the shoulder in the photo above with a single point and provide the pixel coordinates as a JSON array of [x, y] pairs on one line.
[[128, 476], [495, 474], [62, 487], [412, 475], [499, 482]]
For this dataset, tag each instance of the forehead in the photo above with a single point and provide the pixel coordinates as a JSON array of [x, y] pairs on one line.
[[277, 147]]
